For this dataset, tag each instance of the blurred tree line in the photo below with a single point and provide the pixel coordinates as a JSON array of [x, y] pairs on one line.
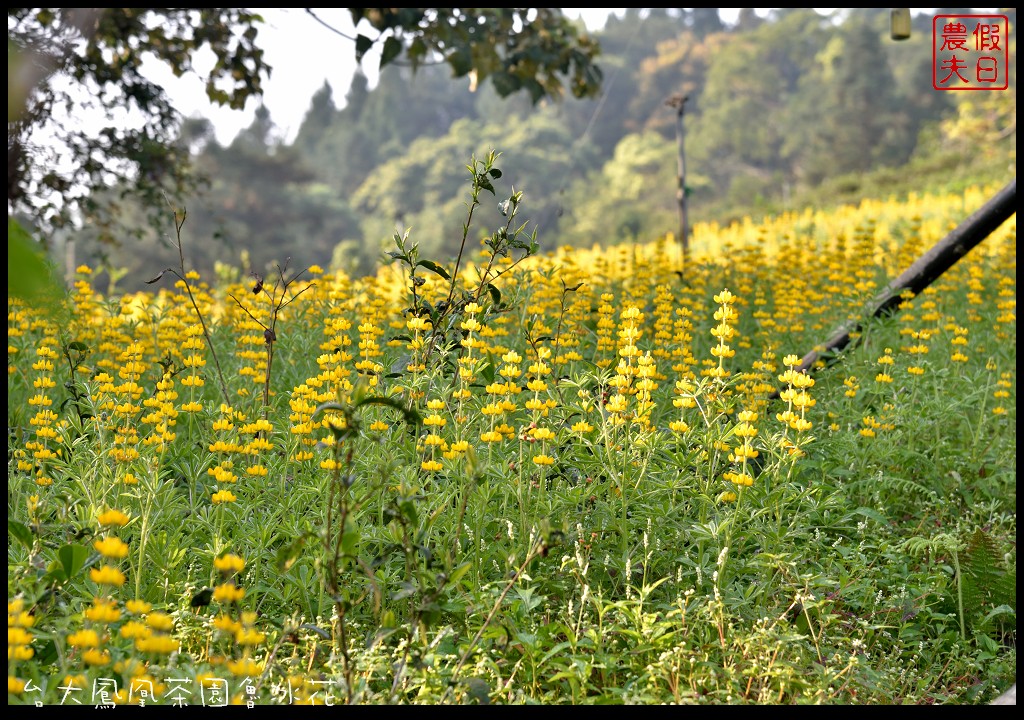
[[778, 106]]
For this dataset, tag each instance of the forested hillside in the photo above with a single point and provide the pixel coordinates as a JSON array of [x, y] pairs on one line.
[[782, 112]]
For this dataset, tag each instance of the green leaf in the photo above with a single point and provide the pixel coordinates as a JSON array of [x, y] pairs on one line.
[[411, 416], [433, 266], [479, 690], [363, 45], [288, 554], [997, 612], [72, 558], [343, 409], [873, 515], [536, 90], [263, 590], [30, 275], [318, 630], [505, 84], [495, 294], [55, 573], [487, 371], [392, 49], [350, 538], [201, 598], [459, 572], [407, 507], [46, 654], [461, 61], [407, 589], [416, 52], [19, 532]]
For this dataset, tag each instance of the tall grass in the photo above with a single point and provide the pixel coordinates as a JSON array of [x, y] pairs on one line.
[[527, 477]]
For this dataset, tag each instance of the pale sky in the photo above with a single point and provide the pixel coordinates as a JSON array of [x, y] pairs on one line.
[[303, 53]]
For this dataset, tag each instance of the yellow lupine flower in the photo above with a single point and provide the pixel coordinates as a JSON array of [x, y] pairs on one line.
[[20, 619], [229, 564], [743, 451], [18, 636], [157, 644], [228, 593], [97, 658], [249, 636], [133, 629], [160, 621], [245, 668], [111, 547], [20, 652], [113, 517], [103, 611], [138, 607], [226, 624], [84, 639], [107, 575], [542, 433], [223, 496], [725, 297]]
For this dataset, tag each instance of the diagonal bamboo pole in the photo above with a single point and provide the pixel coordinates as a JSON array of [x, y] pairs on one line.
[[925, 270]]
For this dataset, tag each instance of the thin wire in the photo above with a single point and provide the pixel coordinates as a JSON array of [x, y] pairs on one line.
[[600, 106]]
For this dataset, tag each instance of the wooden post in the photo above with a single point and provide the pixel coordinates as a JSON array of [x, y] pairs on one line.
[[679, 103]]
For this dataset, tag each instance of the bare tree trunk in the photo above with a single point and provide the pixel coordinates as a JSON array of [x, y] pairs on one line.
[[678, 102]]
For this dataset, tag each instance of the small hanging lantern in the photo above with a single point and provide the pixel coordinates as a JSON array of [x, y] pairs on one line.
[[899, 23]]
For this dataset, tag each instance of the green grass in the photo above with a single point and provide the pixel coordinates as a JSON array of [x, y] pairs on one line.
[[872, 559]]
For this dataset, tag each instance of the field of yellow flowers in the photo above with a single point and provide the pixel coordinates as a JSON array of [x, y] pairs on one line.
[[568, 477]]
